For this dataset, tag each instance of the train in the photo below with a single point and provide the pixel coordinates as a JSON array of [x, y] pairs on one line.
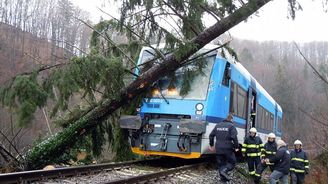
[[169, 124]]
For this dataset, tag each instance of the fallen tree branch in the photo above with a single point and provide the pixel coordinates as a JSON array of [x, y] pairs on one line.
[[109, 40], [6, 152], [136, 34], [41, 69], [12, 145]]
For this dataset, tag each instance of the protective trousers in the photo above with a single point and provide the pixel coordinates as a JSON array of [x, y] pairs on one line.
[[226, 161], [252, 163], [297, 178]]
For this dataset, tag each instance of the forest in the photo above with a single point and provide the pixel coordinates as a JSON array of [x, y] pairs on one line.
[[61, 76]]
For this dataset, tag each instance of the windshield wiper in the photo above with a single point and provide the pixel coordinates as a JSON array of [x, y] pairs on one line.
[[160, 92]]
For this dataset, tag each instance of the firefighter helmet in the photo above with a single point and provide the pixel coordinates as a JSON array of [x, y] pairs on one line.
[[297, 142], [272, 135], [253, 130]]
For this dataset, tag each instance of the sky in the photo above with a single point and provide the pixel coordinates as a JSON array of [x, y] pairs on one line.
[[271, 22]]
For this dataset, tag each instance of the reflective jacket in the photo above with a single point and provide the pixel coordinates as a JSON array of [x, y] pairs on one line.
[[281, 160], [270, 149], [299, 162], [253, 146], [226, 137]]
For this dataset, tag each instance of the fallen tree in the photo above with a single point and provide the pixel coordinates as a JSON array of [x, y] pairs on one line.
[[43, 153]]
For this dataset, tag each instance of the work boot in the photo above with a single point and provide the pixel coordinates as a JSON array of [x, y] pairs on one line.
[[221, 178], [224, 174], [257, 179]]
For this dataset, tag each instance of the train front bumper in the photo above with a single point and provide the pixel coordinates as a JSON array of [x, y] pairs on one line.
[[169, 137]]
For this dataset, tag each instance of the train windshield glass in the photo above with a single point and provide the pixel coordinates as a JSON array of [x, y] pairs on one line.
[[188, 82]]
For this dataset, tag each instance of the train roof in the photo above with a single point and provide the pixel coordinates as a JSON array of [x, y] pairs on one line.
[[233, 61]]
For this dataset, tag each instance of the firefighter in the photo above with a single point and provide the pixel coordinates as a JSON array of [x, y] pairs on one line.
[[281, 162], [299, 165], [270, 149], [225, 145], [252, 148]]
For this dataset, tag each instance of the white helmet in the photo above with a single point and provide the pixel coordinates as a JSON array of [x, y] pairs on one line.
[[298, 142], [272, 135], [253, 130]]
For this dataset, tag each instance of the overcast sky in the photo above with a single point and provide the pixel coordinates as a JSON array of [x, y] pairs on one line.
[[271, 23]]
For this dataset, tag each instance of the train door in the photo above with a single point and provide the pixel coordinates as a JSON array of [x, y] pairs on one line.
[[251, 113]]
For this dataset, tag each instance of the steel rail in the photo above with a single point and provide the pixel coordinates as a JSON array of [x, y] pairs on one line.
[[155, 175], [37, 175]]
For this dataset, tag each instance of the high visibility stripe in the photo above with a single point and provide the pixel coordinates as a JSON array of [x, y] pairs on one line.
[[300, 160], [297, 170], [252, 146], [263, 155], [306, 167], [243, 149], [261, 145], [262, 149], [251, 173], [306, 161], [270, 152], [258, 175], [253, 154]]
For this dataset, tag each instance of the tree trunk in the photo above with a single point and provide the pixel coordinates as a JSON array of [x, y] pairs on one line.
[[47, 151]]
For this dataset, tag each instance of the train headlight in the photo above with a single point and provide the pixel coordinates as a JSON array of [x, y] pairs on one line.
[[172, 92], [199, 107], [155, 92]]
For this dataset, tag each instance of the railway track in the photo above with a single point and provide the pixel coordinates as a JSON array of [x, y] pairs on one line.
[[42, 176], [156, 176], [163, 170], [204, 172]]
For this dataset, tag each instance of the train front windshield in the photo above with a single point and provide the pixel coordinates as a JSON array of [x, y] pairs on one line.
[[171, 88]]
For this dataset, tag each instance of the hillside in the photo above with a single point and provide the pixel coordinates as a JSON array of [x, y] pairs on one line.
[[22, 52]]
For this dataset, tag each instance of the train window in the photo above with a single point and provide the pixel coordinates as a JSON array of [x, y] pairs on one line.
[[233, 98], [238, 98], [271, 122], [241, 102], [226, 75], [267, 118], [259, 117], [279, 124], [264, 119]]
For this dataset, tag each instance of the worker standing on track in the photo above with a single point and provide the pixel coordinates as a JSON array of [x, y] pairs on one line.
[[299, 165], [270, 149], [225, 145], [252, 148], [281, 162]]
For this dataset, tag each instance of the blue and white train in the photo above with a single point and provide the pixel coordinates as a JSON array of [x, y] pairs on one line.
[[171, 125]]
